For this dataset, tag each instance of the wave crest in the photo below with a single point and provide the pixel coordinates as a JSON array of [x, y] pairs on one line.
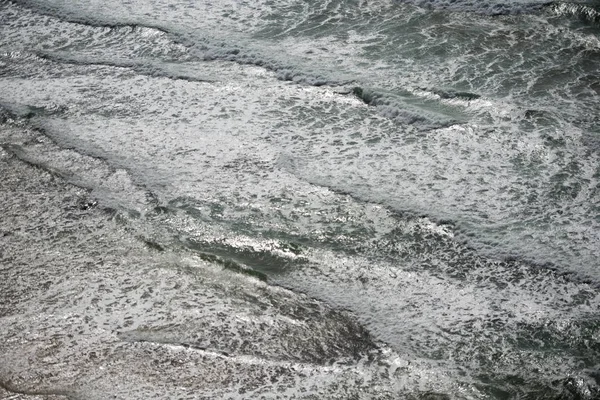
[[584, 12]]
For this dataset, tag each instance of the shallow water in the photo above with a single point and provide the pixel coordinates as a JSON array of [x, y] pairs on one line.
[[228, 199]]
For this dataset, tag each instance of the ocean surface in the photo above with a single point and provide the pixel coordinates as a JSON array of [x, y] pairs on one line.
[[299, 199]]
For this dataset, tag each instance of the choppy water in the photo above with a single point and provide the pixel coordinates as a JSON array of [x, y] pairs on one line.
[[299, 199]]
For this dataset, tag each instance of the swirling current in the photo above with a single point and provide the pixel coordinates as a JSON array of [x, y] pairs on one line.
[[362, 199]]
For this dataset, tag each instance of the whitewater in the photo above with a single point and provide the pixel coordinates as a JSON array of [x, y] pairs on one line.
[[362, 199]]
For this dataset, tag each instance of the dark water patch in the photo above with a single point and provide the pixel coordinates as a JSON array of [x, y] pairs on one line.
[[365, 95], [250, 260], [406, 109], [428, 396], [153, 245], [453, 94], [213, 254], [543, 121], [162, 210]]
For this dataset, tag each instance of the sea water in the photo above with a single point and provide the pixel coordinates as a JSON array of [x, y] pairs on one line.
[[299, 199]]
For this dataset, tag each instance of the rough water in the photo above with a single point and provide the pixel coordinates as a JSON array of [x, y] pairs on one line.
[[299, 199]]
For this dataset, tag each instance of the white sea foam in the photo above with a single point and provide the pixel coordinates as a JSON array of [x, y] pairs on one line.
[[200, 189]]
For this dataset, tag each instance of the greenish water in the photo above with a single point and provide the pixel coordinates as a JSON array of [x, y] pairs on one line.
[[299, 199]]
